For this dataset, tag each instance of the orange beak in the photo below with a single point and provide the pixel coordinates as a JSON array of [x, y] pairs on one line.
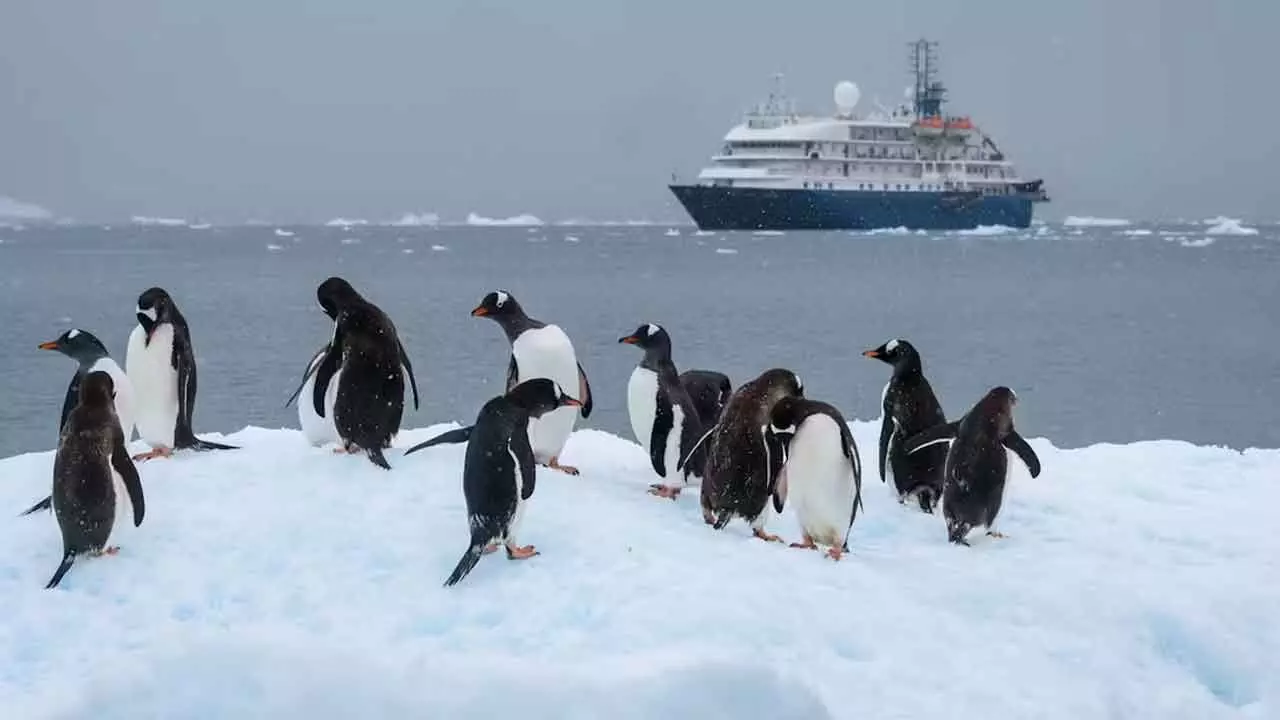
[[872, 353], [630, 340], [479, 312], [570, 402], [51, 345]]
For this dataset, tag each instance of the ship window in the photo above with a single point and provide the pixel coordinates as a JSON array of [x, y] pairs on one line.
[[886, 186]]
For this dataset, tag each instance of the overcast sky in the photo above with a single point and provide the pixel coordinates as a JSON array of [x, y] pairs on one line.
[[304, 110]]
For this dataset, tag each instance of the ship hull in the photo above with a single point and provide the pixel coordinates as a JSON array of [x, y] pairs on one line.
[[728, 208]]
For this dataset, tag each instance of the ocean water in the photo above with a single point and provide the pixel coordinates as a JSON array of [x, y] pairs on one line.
[[1107, 334]]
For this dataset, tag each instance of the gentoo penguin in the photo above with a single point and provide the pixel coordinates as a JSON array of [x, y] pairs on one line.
[[84, 494], [161, 364], [821, 473], [499, 469], [91, 354], [540, 349], [333, 294], [743, 458], [909, 407], [977, 466], [710, 390], [663, 417]]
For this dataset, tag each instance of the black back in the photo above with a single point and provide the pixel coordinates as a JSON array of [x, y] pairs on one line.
[[335, 294], [370, 400], [709, 390]]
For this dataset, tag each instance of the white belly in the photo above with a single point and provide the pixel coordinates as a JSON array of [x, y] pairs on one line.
[[671, 457], [318, 430], [893, 437], [642, 404], [820, 483], [155, 384], [124, 401], [547, 353]]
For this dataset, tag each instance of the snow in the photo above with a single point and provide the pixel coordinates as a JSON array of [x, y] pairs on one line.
[[1227, 226], [281, 579], [15, 209], [1078, 221], [515, 220]]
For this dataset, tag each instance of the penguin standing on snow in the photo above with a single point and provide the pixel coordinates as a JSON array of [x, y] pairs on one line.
[[92, 356], [318, 426], [161, 365], [538, 350], [499, 470], [743, 458], [977, 466], [909, 407], [821, 474], [664, 419], [709, 390], [84, 495]]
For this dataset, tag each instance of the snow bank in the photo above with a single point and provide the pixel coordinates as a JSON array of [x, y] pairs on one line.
[[1078, 221], [15, 209], [515, 220], [281, 580], [1227, 226]]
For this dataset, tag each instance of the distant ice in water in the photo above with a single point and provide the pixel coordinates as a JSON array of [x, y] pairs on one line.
[[768, 233], [514, 220], [704, 233], [274, 247], [407, 251], [417, 220], [1085, 221], [571, 238], [672, 232], [345, 223], [200, 226], [1137, 233], [987, 230], [158, 221], [1197, 243], [1227, 226], [726, 251], [350, 241], [283, 233], [439, 248]]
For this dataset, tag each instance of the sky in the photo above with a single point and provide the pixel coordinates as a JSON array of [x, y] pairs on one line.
[[302, 111]]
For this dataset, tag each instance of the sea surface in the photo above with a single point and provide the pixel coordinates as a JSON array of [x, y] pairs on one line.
[[1107, 334]]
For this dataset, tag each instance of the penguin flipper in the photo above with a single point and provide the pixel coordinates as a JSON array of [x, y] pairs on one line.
[[775, 463], [326, 369], [584, 392], [211, 445], [887, 428], [45, 504], [459, 435], [311, 369], [934, 435], [513, 373], [68, 558], [123, 464], [523, 452], [183, 361], [850, 448], [69, 403], [1018, 445], [663, 420], [408, 366]]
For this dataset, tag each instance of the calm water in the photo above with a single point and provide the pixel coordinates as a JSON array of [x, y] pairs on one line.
[[1105, 336]]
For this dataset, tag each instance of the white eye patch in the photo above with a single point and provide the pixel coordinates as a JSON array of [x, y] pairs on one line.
[[653, 329], [502, 298], [73, 334], [891, 346]]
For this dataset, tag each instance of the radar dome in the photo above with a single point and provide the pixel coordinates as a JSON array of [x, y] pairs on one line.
[[846, 95]]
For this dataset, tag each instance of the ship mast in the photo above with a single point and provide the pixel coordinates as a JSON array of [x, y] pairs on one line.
[[929, 92]]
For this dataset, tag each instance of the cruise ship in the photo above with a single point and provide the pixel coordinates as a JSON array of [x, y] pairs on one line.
[[910, 166]]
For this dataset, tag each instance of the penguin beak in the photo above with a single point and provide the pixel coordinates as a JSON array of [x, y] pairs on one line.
[[871, 353], [479, 312], [570, 402], [51, 345], [630, 340]]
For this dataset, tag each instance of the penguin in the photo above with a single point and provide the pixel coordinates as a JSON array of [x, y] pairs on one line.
[[743, 458], [710, 390], [909, 406], [664, 418], [977, 466], [540, 349], [87, 350], [161, 365], [369, 404], [499, 468], [84, 495], [821, 473], [318, 427]]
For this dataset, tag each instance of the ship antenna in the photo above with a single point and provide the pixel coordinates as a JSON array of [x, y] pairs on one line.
[[928, 92]]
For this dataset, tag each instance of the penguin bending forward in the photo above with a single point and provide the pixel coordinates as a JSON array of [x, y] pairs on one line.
[[710, 390], [91, 356], [821, 474], [743, 458], [977, 466], [909, 407], [84, 496], [540, 349], [664, 418], [499, 470], [161, 365]]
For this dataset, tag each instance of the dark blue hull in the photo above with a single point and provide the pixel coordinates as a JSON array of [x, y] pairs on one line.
[[729, 208]]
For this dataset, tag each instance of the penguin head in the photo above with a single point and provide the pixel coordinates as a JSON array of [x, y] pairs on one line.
[[784, 417], [333, 294], [497, 304], [648, 337], [997, 407], [154, 307], [894, 352], [782, 381], [97, 388], [539, 396], [78, 345]]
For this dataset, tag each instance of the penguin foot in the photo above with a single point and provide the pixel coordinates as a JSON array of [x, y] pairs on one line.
[[153, 453], [767, 537], [808, 544], [664, 491], [490, 548], [708, 517], [516, 552], [835, 553], [554, 464], [996, 534], [111, 550]]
